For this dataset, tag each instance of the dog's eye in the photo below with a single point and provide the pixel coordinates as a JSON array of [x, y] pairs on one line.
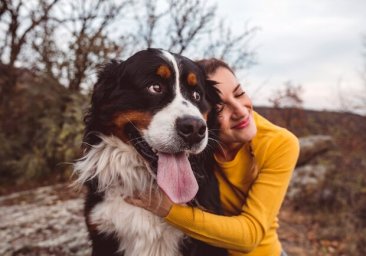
[[155, 89], [196, 96]]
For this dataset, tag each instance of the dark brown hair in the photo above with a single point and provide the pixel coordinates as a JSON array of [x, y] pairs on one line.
[[211, 65]]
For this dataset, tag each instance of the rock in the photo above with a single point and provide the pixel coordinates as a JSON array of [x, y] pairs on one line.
[[40, 222], [312, 146], [307, 180]]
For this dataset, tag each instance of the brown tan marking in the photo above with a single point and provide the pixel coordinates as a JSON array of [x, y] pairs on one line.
[[205, 116], [164, 71], [192, 79], [140, 120]]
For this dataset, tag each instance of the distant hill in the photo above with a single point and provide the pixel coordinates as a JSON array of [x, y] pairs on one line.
[[344, 127]]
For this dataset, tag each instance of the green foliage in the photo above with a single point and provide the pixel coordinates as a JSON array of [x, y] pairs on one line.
[[42, 131]]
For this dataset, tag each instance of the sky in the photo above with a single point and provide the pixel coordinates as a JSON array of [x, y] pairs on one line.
[[315, 43]]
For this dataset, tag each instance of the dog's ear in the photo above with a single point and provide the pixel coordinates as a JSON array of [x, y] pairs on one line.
[[109, 76]]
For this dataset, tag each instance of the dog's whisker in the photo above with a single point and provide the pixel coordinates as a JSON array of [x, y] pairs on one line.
[[133, 124]]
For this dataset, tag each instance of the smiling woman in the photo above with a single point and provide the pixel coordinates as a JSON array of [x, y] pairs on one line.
[[254, 164], [235, 113]]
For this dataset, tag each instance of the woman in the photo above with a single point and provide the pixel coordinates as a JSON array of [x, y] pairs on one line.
[[256, 159]]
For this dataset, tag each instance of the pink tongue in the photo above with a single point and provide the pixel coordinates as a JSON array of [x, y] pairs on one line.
[[175, 177]]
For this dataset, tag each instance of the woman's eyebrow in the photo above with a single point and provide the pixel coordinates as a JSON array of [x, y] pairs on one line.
[[236, 88]]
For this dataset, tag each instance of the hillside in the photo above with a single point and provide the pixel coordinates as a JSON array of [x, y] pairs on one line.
[[329, 219]]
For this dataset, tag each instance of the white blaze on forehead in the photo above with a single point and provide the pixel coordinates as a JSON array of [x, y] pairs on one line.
[[171, 58], [179, 99]]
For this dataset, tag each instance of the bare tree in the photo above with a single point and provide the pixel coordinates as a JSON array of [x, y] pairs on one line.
[[3, 7], [148, 21], [289, 96], [192, 28], [77, 35], [190, 19], [19, 26], [48, 58], [232, 47], [89, 43], [354, 100], [289, 99], [171, 24]]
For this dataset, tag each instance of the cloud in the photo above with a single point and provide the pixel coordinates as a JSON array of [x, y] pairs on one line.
[[313, 43]]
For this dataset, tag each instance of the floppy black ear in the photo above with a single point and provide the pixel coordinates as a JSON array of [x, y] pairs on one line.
[[109, 76]]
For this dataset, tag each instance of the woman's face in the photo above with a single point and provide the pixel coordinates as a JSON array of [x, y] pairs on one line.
[[236, 112]]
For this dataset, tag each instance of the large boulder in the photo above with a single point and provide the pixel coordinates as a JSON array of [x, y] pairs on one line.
[[309, 176], [307, 180], [313, 146]]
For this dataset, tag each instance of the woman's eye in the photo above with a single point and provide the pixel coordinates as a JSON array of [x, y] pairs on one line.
[[239, 94], [196, 96], [155, 89]]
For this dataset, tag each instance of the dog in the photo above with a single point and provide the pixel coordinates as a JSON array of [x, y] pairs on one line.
[[146, 129]]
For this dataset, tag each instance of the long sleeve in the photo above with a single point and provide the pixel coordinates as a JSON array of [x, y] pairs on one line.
[[276, 159]]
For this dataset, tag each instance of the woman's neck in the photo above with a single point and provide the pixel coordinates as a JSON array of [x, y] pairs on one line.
[[227, 152]]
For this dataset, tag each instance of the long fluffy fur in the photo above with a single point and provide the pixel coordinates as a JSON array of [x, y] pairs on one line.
[[112, 169], [107, 162]]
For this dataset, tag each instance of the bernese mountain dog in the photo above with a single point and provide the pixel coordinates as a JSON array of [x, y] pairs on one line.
[[147, 128]]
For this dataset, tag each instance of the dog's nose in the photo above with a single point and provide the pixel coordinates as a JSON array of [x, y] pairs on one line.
[[191, 129]]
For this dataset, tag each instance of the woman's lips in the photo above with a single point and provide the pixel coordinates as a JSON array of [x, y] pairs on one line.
[[242, 124]]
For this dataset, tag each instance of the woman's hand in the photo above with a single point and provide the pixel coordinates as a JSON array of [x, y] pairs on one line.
[[156, 202]]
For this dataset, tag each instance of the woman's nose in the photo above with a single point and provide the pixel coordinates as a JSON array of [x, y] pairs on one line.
[[239, 110]]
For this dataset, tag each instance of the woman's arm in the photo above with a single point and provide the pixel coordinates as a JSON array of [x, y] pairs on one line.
[[246, 230]]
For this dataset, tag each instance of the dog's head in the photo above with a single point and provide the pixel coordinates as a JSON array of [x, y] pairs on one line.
[[156, 102]]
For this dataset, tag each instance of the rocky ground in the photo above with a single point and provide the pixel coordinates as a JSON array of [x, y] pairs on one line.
[[49, 220], [44, 221]]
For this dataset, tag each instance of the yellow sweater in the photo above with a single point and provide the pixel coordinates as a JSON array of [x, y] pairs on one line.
[[251, 208]]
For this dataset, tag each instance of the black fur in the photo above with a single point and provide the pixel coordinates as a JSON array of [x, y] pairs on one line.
[[119, 88]]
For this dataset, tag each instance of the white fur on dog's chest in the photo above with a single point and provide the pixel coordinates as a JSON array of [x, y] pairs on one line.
[[121, 172], [139, 232]]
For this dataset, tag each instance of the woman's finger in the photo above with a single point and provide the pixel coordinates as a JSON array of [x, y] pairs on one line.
[[159, 204], [136, 202]]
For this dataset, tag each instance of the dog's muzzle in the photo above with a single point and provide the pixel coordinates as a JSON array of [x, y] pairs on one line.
[[191, 129]]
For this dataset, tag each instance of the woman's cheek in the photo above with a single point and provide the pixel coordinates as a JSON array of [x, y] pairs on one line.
[[248, 102], [222, 121]]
